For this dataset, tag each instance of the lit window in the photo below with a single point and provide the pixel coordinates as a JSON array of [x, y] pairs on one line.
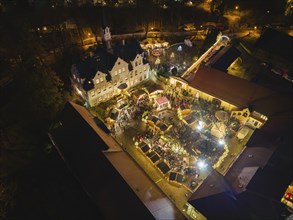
[[101, 79], [97, 81], [115, 72], [123, 69], [119, 70]]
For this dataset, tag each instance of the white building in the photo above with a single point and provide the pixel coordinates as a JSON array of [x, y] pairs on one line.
[[106, 73]]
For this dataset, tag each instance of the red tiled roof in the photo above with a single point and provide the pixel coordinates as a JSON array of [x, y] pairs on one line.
[[162, 100], [231, 89]]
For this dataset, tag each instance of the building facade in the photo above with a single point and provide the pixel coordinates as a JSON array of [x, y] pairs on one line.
[[106, 73]]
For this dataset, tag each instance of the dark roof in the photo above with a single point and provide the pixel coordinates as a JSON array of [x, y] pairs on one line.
[[145, 148], [225, 58], [172, 176], [231, 89], [105, 60], [81, 148], [276, 43], [272, 180], [219, 206], [129, 51], [154, 87], [244, 206], [215, 183], [101, 125], [163, 167]]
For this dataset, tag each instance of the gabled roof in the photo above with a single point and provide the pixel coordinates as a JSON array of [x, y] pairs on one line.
[[225, 58], [81, 148], [129, 51], [231, 89], [276, 43], [213, 184]]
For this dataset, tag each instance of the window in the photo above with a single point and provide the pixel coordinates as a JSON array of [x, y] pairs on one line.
[[115, 72], [126, 79], [119, 70], [131, 75], [97, 81], [140, 78], [101, 79], [123, 69], [92, 93], [135, 72], [238, 113], [255, 123], [135, 63], [245, 114], [144, 76]]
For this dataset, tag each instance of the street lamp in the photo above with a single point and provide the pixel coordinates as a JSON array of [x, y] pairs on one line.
[[236, 7]]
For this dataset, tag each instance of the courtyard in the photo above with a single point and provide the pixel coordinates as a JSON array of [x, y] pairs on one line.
[[177, 139]]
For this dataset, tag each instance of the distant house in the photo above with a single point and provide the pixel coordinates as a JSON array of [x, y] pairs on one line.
[[109, 71]]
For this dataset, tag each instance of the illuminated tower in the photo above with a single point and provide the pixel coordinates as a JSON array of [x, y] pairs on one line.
[[106, 34]]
